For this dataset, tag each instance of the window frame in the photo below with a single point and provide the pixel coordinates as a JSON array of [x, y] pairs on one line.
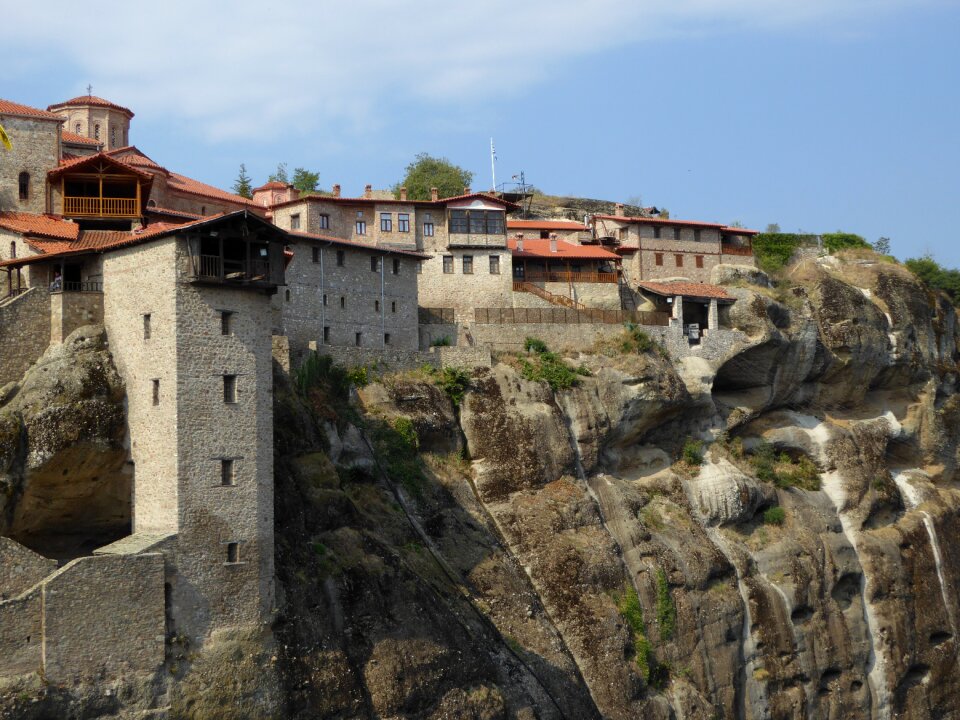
[[341, 258], [324, 221], [466, 264], [23, 185], [658, 259], [448, 265], [295, 221], [428, 230], [386, 222], [678, 259], [403, 222], [230, 392], [361, 227], [494, 264]]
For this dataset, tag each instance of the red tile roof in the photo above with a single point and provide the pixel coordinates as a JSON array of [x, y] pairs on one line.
[[74, 139], [362, 246], [101, 157], [658, 221], [686, 289], [537, 248], [91, 100], [271, 185], [738, 231], [8, 107], [392, 201], [182, 183], [173, 213], [131, 155], [544, 225], [47, 226]]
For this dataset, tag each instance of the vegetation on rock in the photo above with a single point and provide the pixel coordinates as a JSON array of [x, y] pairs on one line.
[[426, 172]]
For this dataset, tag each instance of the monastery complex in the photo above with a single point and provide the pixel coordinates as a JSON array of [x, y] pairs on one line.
[[200, 291]]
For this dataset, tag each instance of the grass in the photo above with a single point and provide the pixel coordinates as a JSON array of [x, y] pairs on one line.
[[396, 445], [454, 382], [548, 367], [692, 453], [774, 515], [666, 609], [629, 606], [782, 470], [443, 341]]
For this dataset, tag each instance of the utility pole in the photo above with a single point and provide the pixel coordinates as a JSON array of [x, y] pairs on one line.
[[493, 167]]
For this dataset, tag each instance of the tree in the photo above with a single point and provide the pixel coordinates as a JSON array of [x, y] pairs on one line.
[[280, 175], [242, 186], [736, 224], [882, 245], [772, 228], [304, 180], [427, 172]]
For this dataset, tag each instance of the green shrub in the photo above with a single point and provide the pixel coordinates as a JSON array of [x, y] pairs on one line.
[[935, 276], [693, 452], [834, 242], [405, 429], [443, 341], [783, 471], [532, 344], [454, 382], [583, 370], [774, 250], [666, 610], [774, 515], [637, 341], [631, 610], [550, 368], [319, 371], [358, 376], [396, 446]]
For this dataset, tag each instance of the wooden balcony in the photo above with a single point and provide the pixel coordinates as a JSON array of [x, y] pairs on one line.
[[570, 277], [213, 268], [736, 250], [100, 207]]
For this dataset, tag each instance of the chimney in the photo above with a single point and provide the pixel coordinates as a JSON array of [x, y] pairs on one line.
[[553, 242], [519, 242], [403, 193], [336, 190], [434, 194], [466, 191], [368, 191], [618, 210]]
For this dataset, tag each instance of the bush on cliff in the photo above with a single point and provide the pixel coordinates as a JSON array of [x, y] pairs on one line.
[[548, 367]]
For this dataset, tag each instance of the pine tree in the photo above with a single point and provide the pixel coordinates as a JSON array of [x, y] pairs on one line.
[[242, 186]]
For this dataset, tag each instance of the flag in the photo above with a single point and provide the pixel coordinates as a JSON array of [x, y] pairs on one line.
[[5, 139]]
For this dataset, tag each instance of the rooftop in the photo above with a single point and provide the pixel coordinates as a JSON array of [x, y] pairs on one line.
[[687, 289], [93, 100], [393, 201], [32, 225], [8, 107], [544, 225], [74, 139], [658, 221], [540, 248], [340, 242]]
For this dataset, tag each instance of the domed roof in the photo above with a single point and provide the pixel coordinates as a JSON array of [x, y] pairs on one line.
[[93, 100]]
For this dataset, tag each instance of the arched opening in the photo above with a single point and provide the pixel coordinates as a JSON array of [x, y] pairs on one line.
[[96, 132], [24, 185], [13, 249], [76, 128]]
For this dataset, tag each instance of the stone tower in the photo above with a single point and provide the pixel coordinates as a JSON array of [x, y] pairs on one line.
[[97, 119]]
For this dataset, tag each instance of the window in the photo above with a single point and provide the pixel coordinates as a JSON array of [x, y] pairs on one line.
[[376, 306], [24, 186], [419, 267], [448, 264], [699, 261], [658, 258], [324, 299], [468, 264], [359, 214], [203, 209], [229, 388], [146, 326], [96, 132], [403, 222], [233, 552], [341, 256], [316, 254], [386, 222], [76, 128], [356, 339], [678, 258], [227, 475], [226, 322], [326, 334], [361, 227], [428, 229], [374, 263], [113, 137], [696, 235], [393, 306], [287, 294], [428, 217], [676, 233], [656, 231], [13, 249], [494, 264], [386, 338], [396, 266], [295, 221], [156, 391], [343, 302], [324, 222], [476, 222]]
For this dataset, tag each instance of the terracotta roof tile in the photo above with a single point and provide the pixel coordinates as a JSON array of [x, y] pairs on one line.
[[686, 289], [271, 185], [91, 100], [74, 139], [76, 162], [545, 225], [49, 226], [131, 155], [340, 242], [738, 231], [156, 210], [393, 201], [538, 248], [658, 221], [188, 185], [8, 107]]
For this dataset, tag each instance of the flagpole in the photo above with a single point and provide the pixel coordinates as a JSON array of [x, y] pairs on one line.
[[493, 168]]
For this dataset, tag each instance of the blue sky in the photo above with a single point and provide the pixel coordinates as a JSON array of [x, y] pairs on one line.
[[822, 115]]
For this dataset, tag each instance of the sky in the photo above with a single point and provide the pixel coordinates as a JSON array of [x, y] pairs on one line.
[[819, 115]]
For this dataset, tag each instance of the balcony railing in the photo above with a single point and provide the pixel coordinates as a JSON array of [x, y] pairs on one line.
[[100, 206], [564, 276], [212, 267], [85, 286], [736, 250]]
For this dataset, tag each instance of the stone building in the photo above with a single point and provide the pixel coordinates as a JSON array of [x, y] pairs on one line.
[[567, 230], [656, 248], [462, 239]]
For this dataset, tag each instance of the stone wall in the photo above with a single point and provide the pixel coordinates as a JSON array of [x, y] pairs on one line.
[[20, 568], [103, 616], [36, 149], [380, 361], [21, 634], [25, 329], [465, 291], [70, 310], [349, 299], [114, 124]]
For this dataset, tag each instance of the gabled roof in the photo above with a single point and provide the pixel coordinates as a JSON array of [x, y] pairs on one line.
[[545, 225], [74, 139], [540, 249], [8, 107], [33, 225], [77, 164], [340, 242], [392, 201], [658, 221], [90, 100], [131, 155], [686, 289]]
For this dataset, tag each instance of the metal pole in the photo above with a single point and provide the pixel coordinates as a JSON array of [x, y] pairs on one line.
[[493, 169]]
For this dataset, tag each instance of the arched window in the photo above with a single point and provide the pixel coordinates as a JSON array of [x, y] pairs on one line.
[[151, 203], [77, 128], [13, 249], [24, 186], [113, 137], [96, 132]]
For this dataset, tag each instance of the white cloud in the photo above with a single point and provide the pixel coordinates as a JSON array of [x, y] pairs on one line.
[[244, 68]]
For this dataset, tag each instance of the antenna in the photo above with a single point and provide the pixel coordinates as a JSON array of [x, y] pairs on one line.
[[493, 167]]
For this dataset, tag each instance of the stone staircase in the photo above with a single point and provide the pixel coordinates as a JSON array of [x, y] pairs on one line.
[[627, 300], [553, 299]]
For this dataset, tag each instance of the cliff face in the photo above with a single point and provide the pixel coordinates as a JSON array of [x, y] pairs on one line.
[[534, 553]]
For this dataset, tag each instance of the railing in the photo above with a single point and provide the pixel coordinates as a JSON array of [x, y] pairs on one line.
[[736, 250], [212, 267], [510, 316], [85, 286], [571, 276], [562, 300], [100, 207]]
